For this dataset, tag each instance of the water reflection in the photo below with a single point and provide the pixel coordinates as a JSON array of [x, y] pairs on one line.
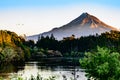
[[7, 70], [60, 70]]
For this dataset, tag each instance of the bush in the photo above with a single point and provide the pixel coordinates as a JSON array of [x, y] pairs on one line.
[[102, 64], [11, 54]]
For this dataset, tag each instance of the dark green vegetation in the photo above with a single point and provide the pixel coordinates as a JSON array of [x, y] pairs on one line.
[[12, 48], [102, 64], [15, 48], [72, 46]]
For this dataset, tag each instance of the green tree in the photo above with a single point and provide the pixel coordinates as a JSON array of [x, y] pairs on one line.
[[102, 64], [8, 54], [47, 42]]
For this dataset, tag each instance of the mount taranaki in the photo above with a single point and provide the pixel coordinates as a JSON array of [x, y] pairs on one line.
[[84, 25]]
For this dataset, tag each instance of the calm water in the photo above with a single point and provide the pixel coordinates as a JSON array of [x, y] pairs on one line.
[[61, 68]]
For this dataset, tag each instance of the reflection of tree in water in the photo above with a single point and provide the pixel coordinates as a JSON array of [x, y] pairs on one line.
[[10, 68], [57, 63], [66, 64], [63, 71]]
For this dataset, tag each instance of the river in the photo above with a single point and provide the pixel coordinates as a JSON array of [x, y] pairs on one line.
[[62, 68]]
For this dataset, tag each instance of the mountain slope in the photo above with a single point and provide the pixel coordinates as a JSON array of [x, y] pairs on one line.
[[84, 25]]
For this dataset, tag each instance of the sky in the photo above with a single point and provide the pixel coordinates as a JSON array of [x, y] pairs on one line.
[[36, 16]]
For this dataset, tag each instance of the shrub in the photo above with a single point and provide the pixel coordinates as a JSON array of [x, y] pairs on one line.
[[102, 64]]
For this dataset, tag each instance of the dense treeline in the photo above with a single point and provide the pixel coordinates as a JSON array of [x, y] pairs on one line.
[[12, 48], [15, 48], [47, 42], [83, 44]]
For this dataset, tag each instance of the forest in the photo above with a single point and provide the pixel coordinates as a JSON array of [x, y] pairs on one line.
[[78, 46], [15, 48]]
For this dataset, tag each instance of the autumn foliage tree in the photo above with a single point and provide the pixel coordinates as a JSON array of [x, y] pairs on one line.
[[12, 47]]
